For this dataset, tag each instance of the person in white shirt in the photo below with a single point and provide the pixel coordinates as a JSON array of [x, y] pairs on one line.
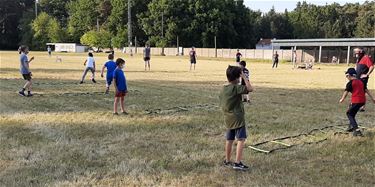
[[90, 66]]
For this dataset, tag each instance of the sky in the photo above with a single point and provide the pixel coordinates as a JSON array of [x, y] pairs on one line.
[[281, 5]]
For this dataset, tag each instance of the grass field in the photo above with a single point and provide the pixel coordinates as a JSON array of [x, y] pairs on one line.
[[66, 134]]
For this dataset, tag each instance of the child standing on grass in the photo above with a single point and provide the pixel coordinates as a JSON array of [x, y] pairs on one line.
[[238, 57], [246, 72], [234, 115], [358, 90], [90, 66], [111, 66], [25, 71], [120, 85]]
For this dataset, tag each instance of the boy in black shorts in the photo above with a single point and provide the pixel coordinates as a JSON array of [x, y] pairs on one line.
[[193, 58], [234, 115], [25, 71]]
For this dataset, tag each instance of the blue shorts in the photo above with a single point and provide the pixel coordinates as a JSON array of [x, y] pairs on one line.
[[109, 80], [239, 133]]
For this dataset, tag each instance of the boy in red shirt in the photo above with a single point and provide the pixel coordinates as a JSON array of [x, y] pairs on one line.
[[358, 90]]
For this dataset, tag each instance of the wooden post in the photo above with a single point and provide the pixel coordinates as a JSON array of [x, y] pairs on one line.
[[320, 54], [348, 56]]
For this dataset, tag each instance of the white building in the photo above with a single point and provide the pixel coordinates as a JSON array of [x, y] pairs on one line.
[[68, 47]]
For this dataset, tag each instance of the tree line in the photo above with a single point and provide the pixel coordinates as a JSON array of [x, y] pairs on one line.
[[103, 23]]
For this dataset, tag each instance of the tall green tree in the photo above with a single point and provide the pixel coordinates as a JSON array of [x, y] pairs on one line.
[[46, 29], [83, 17]]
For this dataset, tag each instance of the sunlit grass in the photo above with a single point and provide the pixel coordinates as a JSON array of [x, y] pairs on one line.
[[67, 135]]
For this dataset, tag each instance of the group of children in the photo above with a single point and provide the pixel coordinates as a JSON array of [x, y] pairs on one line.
[[231, 103], [231, 97], [115, 74]]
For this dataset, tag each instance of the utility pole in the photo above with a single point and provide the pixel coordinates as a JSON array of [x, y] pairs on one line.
[[162, 31], [36, 8], [97, 24], [130, 27]]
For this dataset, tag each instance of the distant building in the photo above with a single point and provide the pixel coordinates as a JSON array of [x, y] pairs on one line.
[[68, 47], [264, 44]]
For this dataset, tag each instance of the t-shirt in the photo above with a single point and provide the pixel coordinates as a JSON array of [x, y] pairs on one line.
[[246, 72], [238, 57], [276, 57], [357, 88], [364, 65], [120, 80], [24, 64], [232, 106], [111, 66], [192, 55], [147, 52], [90, 62]]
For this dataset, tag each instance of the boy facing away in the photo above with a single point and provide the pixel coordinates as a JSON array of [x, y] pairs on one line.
[[120, 85], [358, 90], [111, 66], [25, 70], [246, 72], [90, 66], [234, 115]]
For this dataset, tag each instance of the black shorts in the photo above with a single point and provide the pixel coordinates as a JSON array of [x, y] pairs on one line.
[[27, 76], [239, 133], [365, 81], [146, 58], [193, 61]]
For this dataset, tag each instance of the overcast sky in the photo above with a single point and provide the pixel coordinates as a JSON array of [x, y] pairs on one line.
[[281, 5]]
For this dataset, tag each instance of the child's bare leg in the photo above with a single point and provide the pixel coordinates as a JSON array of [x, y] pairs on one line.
[[26, 86], [122, 104], [30, 85], [228, 150], [115, 105], [240, 144], [148, 65]]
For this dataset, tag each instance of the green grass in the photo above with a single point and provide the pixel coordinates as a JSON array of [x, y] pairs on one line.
[[62, 137]]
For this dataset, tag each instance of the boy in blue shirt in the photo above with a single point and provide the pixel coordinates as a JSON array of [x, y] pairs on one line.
[[120, 85], [25, 70], [111, 66]]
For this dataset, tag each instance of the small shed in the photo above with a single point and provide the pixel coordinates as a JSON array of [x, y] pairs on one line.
[[68, 47], [264, 44]]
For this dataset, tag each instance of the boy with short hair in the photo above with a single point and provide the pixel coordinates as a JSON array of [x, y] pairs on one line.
[[246, 72], [193, 58], [120, 85], [111, 66], [234, 115], [147, 56], [358, 90], [90, 66], [238, 57], [25, 71]]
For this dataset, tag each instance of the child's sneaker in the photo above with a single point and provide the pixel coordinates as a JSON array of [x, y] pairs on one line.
[[125, 113], [107, 92], [240, 166], [350, 129], [22, 93], [115, 113], [227, 163], [29, 95], [93, 80], [81, 82], [357, 132]]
